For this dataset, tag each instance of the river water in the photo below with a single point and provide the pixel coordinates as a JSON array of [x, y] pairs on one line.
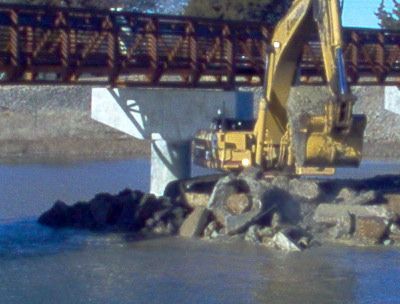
[[41, 265]]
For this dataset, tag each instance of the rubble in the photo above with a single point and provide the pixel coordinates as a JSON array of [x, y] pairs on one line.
[[306, 189], [127, 211], [393, 203], [351, 197], [211, 230], [370, 229], [289, 214], [252, 234], [344, 227], [195, 223], [332, 213], [282, 242]]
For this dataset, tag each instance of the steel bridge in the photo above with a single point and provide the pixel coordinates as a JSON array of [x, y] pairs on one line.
[[43, 45]]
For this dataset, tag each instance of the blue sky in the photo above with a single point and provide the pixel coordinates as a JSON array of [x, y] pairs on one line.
[[360, 13]]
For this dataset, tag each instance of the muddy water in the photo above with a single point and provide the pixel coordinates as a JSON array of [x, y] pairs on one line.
[[40, 265]]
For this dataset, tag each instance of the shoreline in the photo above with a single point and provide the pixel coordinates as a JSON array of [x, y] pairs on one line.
[[72, 149]]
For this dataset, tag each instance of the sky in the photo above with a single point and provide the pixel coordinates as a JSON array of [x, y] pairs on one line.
[[360, 13]]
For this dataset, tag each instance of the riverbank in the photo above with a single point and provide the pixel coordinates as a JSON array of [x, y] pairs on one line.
[[66, 149], [54, 123], [119, 147]]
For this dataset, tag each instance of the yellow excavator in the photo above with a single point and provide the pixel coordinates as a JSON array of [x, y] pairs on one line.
[[318, 143]]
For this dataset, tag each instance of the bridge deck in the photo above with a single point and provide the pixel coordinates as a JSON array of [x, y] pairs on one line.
[[41, 45]]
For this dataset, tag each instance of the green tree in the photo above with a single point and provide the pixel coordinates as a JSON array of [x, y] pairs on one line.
[[387, 19], [269, 11]]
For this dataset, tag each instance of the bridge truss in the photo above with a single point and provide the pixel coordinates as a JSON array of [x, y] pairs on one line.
[[42, 45]]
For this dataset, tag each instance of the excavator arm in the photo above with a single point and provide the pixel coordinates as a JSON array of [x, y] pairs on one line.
[[319, 142]]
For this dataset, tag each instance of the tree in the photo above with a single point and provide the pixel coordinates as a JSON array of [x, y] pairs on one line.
[[269, 11], [389, 20]]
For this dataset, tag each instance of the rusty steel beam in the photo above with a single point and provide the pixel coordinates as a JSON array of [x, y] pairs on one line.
[[42, 45]]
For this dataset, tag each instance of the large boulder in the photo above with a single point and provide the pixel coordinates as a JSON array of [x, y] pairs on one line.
[[239, 202], [195, 223], [58, 216]]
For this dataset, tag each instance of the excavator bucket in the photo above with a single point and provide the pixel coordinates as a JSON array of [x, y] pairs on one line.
[[317, 146]]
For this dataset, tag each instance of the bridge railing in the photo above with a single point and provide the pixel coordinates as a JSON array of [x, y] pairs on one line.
[[72, 46]]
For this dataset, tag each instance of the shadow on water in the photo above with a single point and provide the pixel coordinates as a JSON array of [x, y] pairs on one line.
[[26, 238]]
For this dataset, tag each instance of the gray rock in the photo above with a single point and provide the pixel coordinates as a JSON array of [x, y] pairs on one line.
[[238, 203], [332, 213], [388, 242], [195, 223], [281, 182], [265, 232], [237, 223], [304, 242], [363, 198], [215, 234], [393, 204], [252, 234], [394, 229], [303, 188], [282, 242], [162, 228], [395, 233], [276, 221], [345, 195], [343, 228], [210, 229]]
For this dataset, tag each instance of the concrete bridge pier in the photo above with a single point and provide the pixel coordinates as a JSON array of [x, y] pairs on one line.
[[169, 118], [169, 161]]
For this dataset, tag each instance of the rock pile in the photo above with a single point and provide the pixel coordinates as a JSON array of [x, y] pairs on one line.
[[294, 214], [289, 214], [127, 211]]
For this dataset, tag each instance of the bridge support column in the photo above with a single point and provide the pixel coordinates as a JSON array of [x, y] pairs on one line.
[[169, 118], [169, 161]]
